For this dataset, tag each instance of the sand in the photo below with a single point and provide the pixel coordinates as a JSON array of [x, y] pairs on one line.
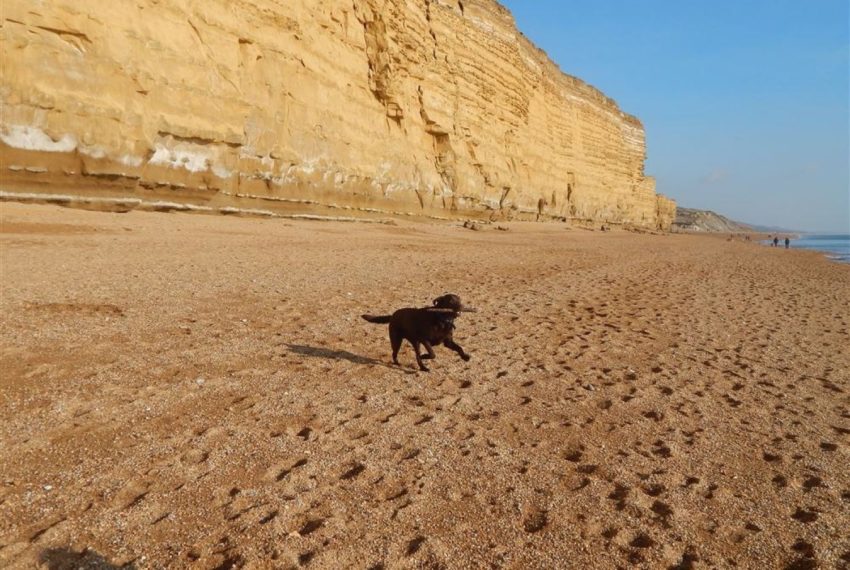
[[199, 391]]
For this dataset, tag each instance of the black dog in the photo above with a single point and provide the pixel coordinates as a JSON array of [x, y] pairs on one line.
[[429, 327]]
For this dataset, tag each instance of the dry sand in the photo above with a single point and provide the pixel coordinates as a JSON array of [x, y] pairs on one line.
[[199, 391]]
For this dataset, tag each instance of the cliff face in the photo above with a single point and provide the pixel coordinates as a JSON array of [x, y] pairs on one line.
[[423, 107]]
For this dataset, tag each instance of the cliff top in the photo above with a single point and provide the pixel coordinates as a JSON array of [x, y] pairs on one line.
[[571, 81]]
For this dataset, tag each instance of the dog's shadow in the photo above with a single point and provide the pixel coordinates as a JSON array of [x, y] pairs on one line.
[[331, 354], [67, 559]]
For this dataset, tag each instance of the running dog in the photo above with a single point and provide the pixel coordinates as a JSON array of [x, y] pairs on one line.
[[428, 327]]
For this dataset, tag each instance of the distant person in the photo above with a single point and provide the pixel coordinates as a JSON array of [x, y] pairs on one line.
[[787, 243], [776, 242]]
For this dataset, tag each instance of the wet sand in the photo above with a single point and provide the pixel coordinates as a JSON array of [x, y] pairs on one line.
[[198, 391]]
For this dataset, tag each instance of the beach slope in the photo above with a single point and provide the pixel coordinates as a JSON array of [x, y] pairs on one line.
[[200, 391]]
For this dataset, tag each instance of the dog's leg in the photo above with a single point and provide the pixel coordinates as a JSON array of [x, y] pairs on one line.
[[422, 367], [449, 343], [430, 349], [395, 341]]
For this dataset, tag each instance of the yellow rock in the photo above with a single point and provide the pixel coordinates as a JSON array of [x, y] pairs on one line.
[[365, 107]]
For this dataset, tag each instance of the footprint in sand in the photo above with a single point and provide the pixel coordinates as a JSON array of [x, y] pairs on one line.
[[574, 454], [805, 516], [195, 456], [131, 494], [352, 470], [534, 519], [619, 496], [414, 545], [812, 483], [280, 470]]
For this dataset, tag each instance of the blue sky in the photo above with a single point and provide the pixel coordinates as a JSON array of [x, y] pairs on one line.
[[745, 102]]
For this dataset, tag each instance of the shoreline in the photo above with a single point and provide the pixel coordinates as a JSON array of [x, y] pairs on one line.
[[831, 250], [200, 391], [764, 239], [833, 254]]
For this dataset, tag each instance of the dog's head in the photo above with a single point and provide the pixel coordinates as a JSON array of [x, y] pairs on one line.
[[450, 302]]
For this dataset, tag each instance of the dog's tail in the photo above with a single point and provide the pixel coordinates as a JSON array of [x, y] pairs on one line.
[[378, 320]]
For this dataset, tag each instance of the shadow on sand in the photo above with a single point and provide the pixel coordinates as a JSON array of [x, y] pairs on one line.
[[67, 559], [331, 354]]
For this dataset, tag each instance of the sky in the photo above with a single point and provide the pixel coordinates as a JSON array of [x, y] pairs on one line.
[[745, 102]]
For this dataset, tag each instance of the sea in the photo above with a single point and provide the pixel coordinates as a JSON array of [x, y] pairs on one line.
[[835, 246]]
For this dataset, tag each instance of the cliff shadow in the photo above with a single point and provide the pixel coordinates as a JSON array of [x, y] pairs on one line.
[[67, 559]]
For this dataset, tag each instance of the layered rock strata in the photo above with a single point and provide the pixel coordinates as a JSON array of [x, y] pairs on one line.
[[419, 107]]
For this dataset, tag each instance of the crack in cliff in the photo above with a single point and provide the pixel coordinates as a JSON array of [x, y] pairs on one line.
[[505, 191], [431, 27], [77, 40], [60, 32], [209, 55], [421, 199], [444, 154], [202, 141], [430, 125], [380, 64]]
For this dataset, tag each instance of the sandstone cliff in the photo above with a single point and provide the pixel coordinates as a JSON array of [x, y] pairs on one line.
[[421, 107]]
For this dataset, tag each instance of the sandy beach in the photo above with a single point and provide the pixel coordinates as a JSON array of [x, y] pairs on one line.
[[192, 391]]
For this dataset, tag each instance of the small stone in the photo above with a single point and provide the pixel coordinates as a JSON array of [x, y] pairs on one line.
[[200, 381], [48, 487]]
